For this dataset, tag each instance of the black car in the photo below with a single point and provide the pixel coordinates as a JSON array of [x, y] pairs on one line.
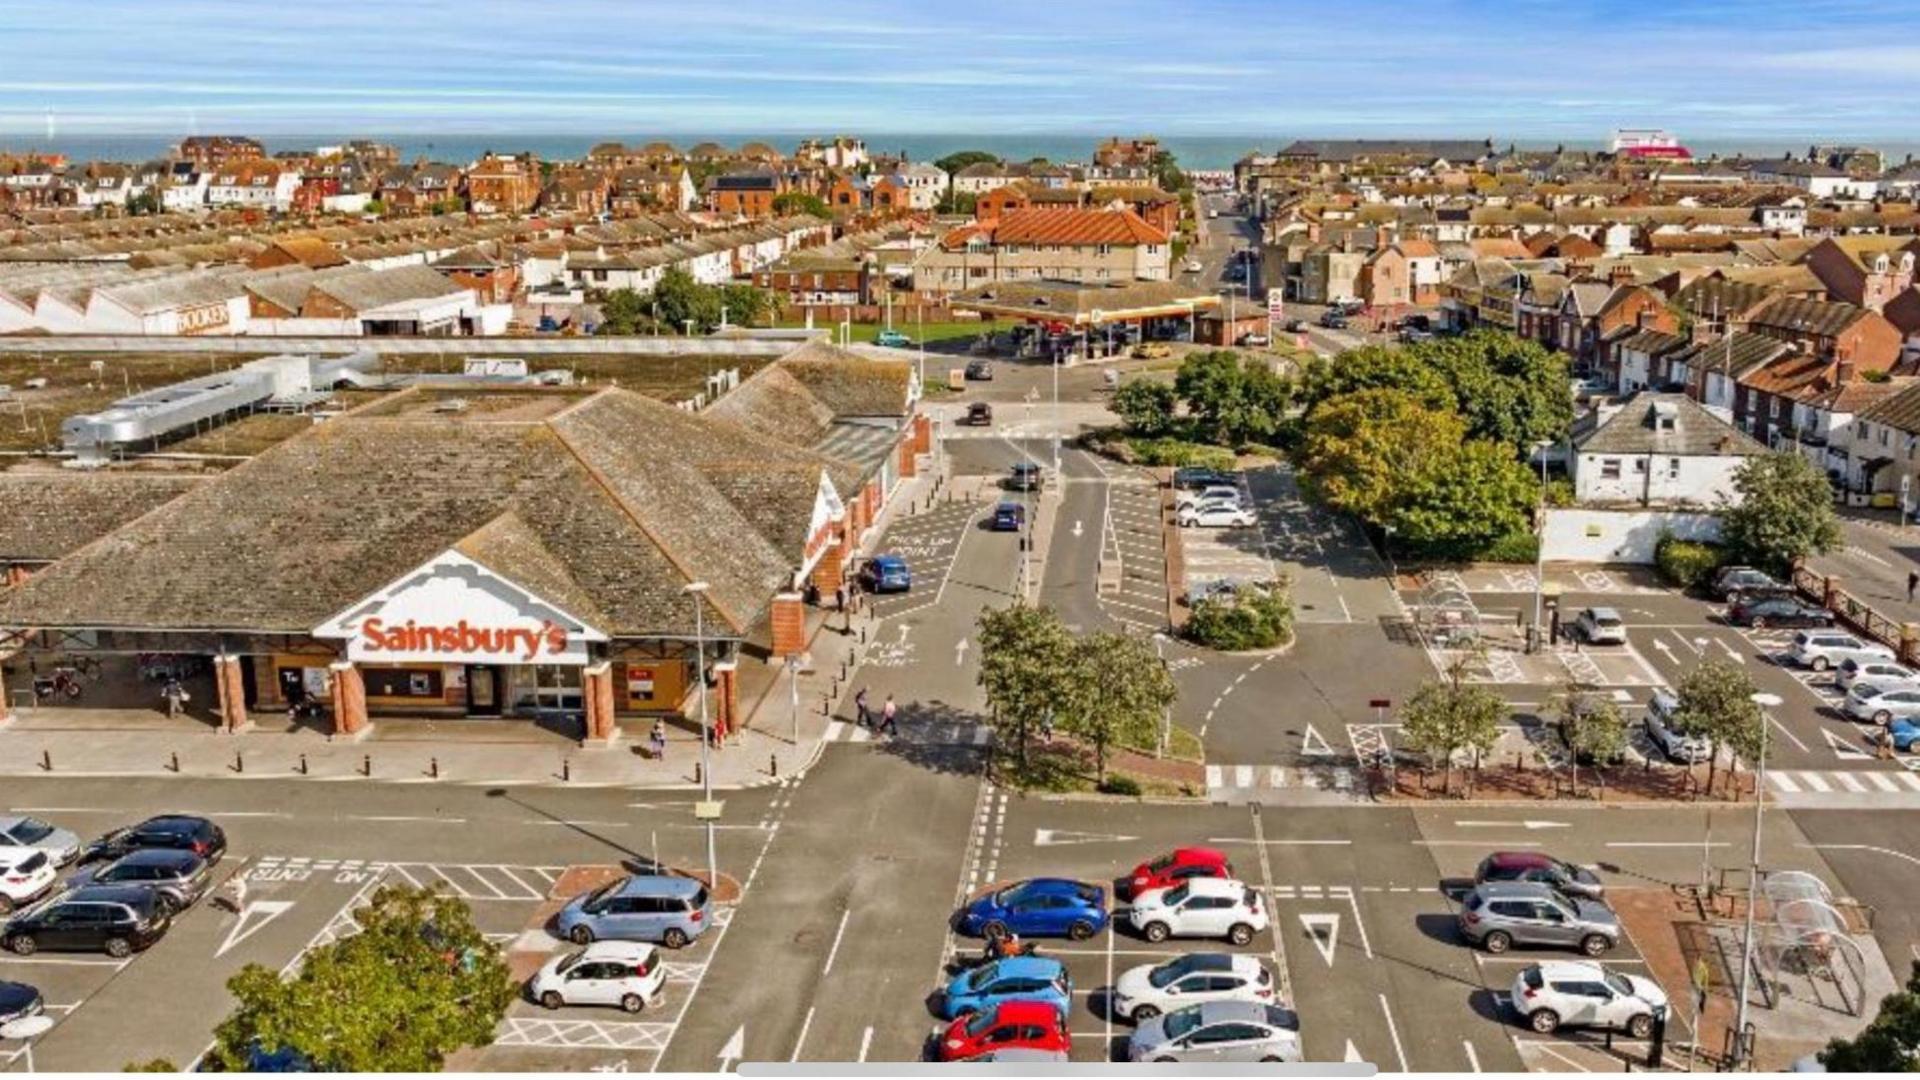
[[1731, 582], [176, 831], [18, 1001], [1333, 320], [115, 919], [1764, 611], [179, 876], [1195, 478], [980, 414], [1026, 476], [980, 370]]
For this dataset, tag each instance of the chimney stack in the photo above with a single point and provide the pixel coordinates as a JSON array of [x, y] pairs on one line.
[[1843, 372], [1619, 274]]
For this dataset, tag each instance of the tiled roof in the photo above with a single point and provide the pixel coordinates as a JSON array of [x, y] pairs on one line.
[[1901, 411], [1695, 433], [1651, 342], [52, 514], [1818, 317], [1074, 227]]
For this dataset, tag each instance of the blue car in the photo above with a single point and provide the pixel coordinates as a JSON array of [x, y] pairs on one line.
[[1009, 517], [1904, 733], [885, 574], [1038, 907], [1017, 978]]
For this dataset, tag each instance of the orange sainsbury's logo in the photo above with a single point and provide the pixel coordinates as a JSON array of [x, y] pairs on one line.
[[464, 637]]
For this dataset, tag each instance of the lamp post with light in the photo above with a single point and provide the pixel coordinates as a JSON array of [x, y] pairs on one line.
[[698, 591], [1765, 701]]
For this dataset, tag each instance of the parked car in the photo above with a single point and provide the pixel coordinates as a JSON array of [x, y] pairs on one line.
[[1294, 326], [1219, 1031], [1031, 1025], [1009, 517], [61, 845], [1215, 514], [1732, 581], [1824, 649], [893, 339], [1903, 734], [1542, 869], [1854, 672], [1413, 335], [665, 908], [118, 920], [26, 874], [180, 878], [980, 414], [1333, 319], [1882, 705], [1600, 626], [886, 574], [1022, 1054], [1574, 993], [623, 973], [1497, 915], [178, 831], [1037, 907], [1223, 589], [1199, 907], [1152, 350], [1210, 493], [1144, 992], [1016, 978], [1666, 735], [1025, 476], [1195, 477], [1760, 610], [1171, 869], [19, 1001], [1255, 339], [980, 370]]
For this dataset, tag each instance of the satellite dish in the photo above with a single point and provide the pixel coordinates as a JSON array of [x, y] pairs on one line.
[[26, 1027]]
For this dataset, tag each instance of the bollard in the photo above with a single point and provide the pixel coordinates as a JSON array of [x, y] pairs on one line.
[[303, 764], [239, 763], [696, 773], [46, 760], [566, 769], [366, 765], [433, 767], [773, 765], [176, 761]]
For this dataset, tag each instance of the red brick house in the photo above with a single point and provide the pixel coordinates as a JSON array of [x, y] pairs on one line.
[[1866, 271], [497, 184], [1831, 331]]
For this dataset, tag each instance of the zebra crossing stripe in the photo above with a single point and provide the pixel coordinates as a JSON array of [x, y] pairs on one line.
[[835, 730], [1214, 778], [1816, 781], [1882, 781], [1908, 779], [1784, 783], [1243, 776], [1276, 776], [1847, 781]]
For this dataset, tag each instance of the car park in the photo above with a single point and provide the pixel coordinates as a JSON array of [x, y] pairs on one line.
[[1152, 350], [665, 908], [19, 1001], [1008, 517], [980, 414], [1037, 907], [1600, 626], [1032, 1025], [1761, 611], [179, 831], [1497, 915], [1224, 1031], [1171, 869], [1015, 978], [180, 878], [1541, 869], [1204, 907], [61, 845], [1147, 991], [1821, 650], [1854, 672], [893, 339], [118, 920], [1882, 705], [1025, 476], [1573, 993], [1732, 581], [1665, 734], [886, 574], [1210, 493], [1215, 514], [26, 874], [980, 370], [624, 974]]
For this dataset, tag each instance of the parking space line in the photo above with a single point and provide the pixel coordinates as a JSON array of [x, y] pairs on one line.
[[1473, 1058], [1394, 1030]]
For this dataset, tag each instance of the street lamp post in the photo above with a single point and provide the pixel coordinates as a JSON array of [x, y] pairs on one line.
[[698, 590], [1765, 701], [1166, 712]]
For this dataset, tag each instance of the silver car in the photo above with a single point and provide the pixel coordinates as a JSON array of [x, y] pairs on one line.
[[1497, 915], [1883, 704], [1229, 1031], [1601, 626], [1665, 733], [61, 845], [1855, 671]]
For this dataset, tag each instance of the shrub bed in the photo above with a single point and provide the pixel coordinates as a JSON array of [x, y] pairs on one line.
[[1686, 563], [1257, 620]]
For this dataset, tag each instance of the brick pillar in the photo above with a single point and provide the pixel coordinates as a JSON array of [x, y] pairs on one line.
[[830, 572], [726, 700], [909, 465], [349, 699], [923, 434], [230, 693], [789, 620], [1829, 586]]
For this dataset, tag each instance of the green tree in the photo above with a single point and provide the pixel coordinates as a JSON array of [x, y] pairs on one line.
[[418, 982], [960, 159], [1891, 1043], [1784, 512], [1146, 406], [1116, 694], [1716, 704], [801, 202], [1509, 389], [1464, 499], [1232, 400], [1166, 172], [679, 299], [143, 202], [1026, 658], [622, 312], [1593, 728], [957, 202], [747, 305], [1450, 715], [376, 207], [1359, 450], [152, 1065], [1372, 367]]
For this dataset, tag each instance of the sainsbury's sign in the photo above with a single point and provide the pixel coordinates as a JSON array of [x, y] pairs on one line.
[[462, 640]]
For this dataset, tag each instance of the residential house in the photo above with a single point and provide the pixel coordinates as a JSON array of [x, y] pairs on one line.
[[1092, 246], [644, 189], [1885, 433], [1711, 364], [981, 177], [577, 191], [1831, 331], [503, 184], [1657, 450], [748, 193], [1595, 312], [253, 184], [1637, 361], [214, 152], [493, 279], [926, 184], [1328, 273], [827, 281], [1866, 271], [1817, 178], [306, 251]]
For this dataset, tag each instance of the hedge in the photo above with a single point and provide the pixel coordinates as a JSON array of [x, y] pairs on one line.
[[1686, 563], [1259, 619], [1520, 547]]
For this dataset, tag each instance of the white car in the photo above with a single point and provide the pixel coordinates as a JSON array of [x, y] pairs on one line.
[[1572, 993], [627, 974], [1824, 649], [26, 874], [1662, 732], [1600, 626], [1210, 493], [1192, 266], [61, 845], [1217, 514], [1883, 704], [1149, 990], [1199, 907], [1854, 671]]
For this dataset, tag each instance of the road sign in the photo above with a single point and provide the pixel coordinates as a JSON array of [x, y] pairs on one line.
[[1276, 310], [708, 811], [1380, 703]]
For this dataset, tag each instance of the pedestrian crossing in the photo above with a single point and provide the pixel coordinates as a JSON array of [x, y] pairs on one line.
[[1845, 787], [1280, 784], [941, 733]]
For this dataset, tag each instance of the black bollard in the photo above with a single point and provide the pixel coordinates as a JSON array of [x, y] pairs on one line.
[[303, 764], [773, 765], [566, 769], [239, 763], [696, 772], [433, 767], [46, 760], [366, 765], [176, 761]]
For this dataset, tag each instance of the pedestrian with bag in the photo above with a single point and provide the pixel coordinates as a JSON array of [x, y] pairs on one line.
[[888, 712], [657, 739]]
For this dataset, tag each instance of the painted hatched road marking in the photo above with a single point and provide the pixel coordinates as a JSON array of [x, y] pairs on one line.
[[582, 1034]]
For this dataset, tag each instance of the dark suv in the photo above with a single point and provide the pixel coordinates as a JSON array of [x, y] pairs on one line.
[[115, 919], [179, 876], [178, 832]]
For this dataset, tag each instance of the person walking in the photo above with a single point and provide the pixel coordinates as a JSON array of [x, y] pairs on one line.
[[657, 739], [888, 712], [1913, 582], [861, 714]]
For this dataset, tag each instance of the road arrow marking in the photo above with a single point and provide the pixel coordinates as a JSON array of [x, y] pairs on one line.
[[735, 1049], [1059, 837], [1737, 657], [903, 632], [1324, 932], [1665, 650], [1352, 1054], [253, 918], [1844, 750], [1076, 529], [960, 652], [1530, 824], [1314, 744]]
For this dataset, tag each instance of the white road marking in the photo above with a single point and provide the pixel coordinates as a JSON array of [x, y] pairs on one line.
[[866, 1042], [837, 935], [254, 917], [1816, 781], [1394, 1030], [1473, 1058], [1323, 930], [1661, 844]]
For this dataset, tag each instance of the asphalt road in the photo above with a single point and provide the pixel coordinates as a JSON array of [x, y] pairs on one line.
[[1873, 564]]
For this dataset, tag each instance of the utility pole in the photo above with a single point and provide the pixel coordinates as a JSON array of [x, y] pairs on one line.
[[698, 590], [1765, 701]]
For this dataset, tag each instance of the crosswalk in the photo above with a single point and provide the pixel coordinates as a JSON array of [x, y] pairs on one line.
[[938, 733], [1845, 787], [1283, 784]]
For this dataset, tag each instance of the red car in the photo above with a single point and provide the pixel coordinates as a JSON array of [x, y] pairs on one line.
[[1170, 870], [1026, 1025]]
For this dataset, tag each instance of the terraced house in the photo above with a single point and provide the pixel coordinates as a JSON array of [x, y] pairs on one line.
[[1095, 246]]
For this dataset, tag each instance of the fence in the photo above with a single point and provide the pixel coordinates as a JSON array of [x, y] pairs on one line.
[[1858, 615]]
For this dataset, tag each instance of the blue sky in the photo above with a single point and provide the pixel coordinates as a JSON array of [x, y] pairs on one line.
[[1528, 69]]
